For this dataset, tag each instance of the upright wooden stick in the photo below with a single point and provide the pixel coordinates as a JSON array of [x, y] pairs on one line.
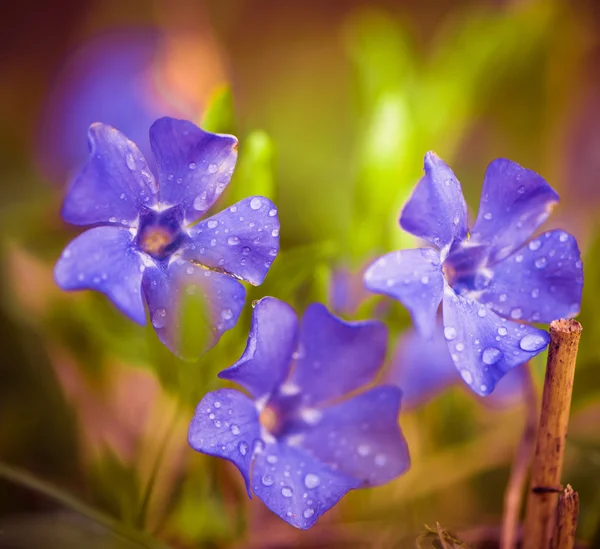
[[552, 432], [566, 519]]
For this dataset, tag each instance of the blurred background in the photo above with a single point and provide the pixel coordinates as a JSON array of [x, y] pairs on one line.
[[335, 105]]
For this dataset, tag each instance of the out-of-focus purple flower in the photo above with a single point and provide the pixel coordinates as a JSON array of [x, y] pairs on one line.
[[299, 442], [144, 240], [487, 276], [110, 79], [423, 368]]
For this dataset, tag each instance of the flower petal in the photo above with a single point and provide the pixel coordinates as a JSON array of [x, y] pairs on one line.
[[413, 277], [226, 425], [242, 240], [541, 282], [436, 211], [360, 437], [421, 367], [268, 356], [296, 486], [191, 307], [194, 166], [483, 346], [335, 357], [112, 185], [105, 259], [514, 203]]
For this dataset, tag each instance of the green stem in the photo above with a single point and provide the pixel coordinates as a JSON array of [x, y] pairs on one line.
[[29, 481]]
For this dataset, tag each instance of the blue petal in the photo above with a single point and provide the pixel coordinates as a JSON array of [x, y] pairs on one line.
[[169, 289], [483, 346], [541, 282], [113, 184], [268, 356], [360, 437], [413, 277], [335, 357], [514, 203], [421, 367], [242, 240], [194, 166], [296, 486], [436, 211], [105, 259], [226, 425]]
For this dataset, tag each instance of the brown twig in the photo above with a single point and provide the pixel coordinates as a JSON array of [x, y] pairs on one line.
[[552, 432], [513, 497], [566, 519]]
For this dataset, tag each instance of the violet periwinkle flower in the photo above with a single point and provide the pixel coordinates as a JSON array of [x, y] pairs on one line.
[[299, 440], [144, 244], [486, 279]]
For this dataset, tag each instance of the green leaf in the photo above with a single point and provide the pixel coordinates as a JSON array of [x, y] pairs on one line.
[[219, 116]]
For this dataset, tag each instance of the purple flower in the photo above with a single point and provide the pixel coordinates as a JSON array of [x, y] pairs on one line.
[[113, 78], [487, 276], [423, 368], [144, 242], [300, 438]]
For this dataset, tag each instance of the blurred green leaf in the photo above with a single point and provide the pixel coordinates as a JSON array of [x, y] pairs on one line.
[[219, 116]]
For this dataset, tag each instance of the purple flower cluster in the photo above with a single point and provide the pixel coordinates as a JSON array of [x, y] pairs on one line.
[[312, 424]]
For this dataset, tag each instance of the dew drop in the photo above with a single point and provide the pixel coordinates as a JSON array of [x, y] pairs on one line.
[[256, 203], [267, 480], [311, 481], [158, 318], [212, 224], [482, 312], [535, 292], [273, 212], [449, 333], [200, 203], [424, 279], [466, 375], [541, 262], [532, 342], [213, 168], [308, 513], [275, 232], [272, 459], [516, 313], [487, 216], [534, 245], [217, 404], [491, 355], [519, 258], [112, 219], [502, 331], [130, 161], [235, 430], [192, 165], [233, 240], [563, 237], [233, 209], [460, 347], [287, 492], [243, 448], [521, 189]]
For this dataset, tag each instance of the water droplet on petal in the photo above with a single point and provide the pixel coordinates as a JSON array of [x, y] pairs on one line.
[[491, 355], [532, 342], [112, 219], [130, 161], [449, 333], [521, 189], [217, 404], [541, 262], [308, 513], [213, 168], [460, 347], [273, 212], [268, 480], [192, 165], [424, 279], [535, 292], [466, 375], [482, 312], [212, 223], [200, 202], [243, 448], [256, 203], [535, 245], [158, 318], [235, 430], [311, 481], [487, 216], [516, 313], [563, 237], [233, 240], [287, 492], [502, 331]]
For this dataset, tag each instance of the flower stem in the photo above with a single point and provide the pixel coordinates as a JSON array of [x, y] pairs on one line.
[[513, 497], [552, 432], [566, 519]]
